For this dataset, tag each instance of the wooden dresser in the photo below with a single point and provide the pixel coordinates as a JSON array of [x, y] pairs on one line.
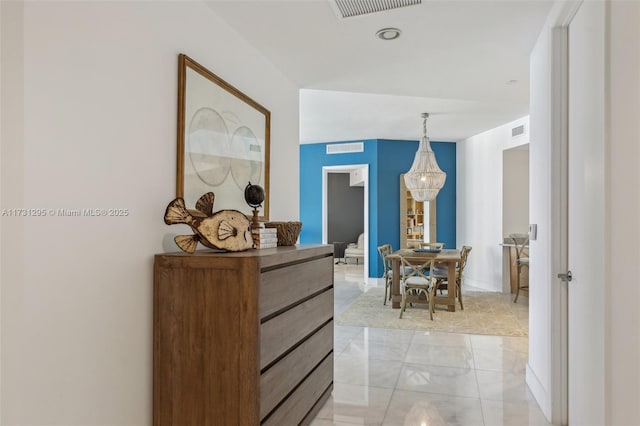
[[242, 338]]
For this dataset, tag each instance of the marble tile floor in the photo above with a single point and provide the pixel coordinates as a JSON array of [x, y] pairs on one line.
[[417, 378]]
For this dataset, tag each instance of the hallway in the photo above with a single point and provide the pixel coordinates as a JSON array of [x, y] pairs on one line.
[[403, 377]]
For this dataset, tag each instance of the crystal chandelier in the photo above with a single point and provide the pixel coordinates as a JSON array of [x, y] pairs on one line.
[[425, 179]]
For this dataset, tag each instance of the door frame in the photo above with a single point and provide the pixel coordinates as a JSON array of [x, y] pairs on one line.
[[558, 22], [325, 197]]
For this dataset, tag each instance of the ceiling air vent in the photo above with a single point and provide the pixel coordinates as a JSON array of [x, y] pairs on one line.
[[345, 148], [517, 131], [351, 8]]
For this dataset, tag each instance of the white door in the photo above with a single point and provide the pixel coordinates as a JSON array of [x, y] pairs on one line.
[[586, 201]]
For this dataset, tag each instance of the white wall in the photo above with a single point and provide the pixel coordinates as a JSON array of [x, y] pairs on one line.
[[98, 130], [479, 199], [622, 221]]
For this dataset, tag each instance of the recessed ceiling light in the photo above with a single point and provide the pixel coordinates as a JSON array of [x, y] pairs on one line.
[[388, 33]]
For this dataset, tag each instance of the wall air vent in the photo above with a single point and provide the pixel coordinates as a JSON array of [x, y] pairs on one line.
[[351, 8], [345, 148], [517, 131]]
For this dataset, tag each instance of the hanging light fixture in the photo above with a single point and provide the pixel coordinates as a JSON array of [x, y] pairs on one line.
[[425, 179]]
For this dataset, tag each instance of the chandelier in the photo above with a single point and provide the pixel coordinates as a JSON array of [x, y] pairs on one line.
[[424, 179]]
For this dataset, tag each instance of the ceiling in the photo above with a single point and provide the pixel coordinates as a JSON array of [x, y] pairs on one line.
[[464, 62]]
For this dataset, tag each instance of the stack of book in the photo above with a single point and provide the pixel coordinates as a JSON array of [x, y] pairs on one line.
[[265, 237]]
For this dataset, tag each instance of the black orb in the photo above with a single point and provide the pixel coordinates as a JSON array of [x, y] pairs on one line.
[[254, 195]]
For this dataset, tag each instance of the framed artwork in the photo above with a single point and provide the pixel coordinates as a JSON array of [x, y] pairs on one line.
[[223, 140]]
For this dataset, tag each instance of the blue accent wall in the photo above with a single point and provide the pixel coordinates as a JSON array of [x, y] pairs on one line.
[[387, 159], [396, 158]]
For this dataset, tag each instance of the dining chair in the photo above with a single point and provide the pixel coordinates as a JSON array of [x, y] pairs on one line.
[[464, 255], [440, 273], [385, 250], [521, 243], [415, 281]]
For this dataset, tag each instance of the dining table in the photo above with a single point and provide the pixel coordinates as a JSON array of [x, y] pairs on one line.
[[448, 257]]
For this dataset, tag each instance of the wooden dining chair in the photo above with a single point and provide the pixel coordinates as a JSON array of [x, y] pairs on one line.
[[521, 243], [464, 255], [385, 250], [416, 282], [440, 273]]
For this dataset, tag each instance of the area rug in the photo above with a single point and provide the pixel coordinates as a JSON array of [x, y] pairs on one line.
[[484, 313]]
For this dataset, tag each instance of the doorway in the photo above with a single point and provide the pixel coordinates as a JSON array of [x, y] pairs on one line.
[[566, 371], [358, 175], [515, 208], [345, 209]]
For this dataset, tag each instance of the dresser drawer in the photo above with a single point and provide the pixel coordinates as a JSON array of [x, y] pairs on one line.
[[303, 399], [284, 376], [283, 287], [284, 331]]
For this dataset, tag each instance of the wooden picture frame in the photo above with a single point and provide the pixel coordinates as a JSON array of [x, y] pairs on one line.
[[223, 140]]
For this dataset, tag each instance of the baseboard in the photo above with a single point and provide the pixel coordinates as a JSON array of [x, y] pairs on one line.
[[539, 392], [373, 283], [480, 285]]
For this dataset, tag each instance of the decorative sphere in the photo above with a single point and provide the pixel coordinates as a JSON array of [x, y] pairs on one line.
[[254, 195]]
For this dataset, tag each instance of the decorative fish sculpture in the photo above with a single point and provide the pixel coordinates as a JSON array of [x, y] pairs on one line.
[[228, 230]]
